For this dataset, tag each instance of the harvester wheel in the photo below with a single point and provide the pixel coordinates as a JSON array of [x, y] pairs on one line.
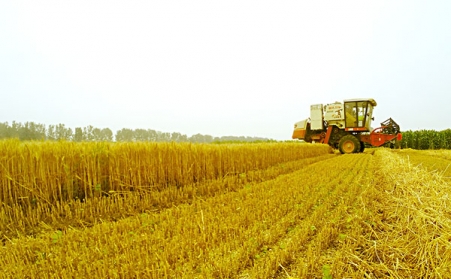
[[349, 144]]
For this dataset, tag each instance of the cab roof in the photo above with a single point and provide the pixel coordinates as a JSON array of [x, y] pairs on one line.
[[372, 101]]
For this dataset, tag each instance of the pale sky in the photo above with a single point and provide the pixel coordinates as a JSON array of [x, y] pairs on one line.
[[239, 68]]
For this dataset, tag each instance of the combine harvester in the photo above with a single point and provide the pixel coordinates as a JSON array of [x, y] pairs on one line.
[[347, 126]]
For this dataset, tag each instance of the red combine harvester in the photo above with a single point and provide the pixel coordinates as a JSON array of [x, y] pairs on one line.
[[347, 126]]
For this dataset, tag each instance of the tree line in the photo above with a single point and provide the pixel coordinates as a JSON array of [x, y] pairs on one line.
[[36, 131]]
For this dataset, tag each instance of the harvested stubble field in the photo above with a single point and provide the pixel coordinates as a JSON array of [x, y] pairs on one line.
[[266, 210]]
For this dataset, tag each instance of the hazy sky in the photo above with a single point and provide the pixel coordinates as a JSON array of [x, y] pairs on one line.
[[241, 68]]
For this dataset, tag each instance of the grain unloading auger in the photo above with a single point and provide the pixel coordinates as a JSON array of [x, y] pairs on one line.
[[347, 126]]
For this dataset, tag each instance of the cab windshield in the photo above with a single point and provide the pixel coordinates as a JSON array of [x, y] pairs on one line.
[[358, 114]]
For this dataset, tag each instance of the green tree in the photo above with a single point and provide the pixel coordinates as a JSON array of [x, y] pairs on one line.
[[78, 135], [63, 133], [4, 130], [51, 133], [39, 131], [178, 137], [96, 134], [124, 135], [140, 135], [88, 133], [153, 135], [107, 134]]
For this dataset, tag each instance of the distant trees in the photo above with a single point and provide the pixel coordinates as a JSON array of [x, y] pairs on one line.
[[27, 131], [61, 132], [152, 135], [34, 131]]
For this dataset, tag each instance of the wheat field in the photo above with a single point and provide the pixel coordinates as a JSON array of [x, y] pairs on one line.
[[263, 210]]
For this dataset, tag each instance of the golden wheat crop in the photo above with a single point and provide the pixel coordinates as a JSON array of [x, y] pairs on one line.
[[223, 236], [60, 183], [432, 160], [404, 225], [348, 216], [47, 172]]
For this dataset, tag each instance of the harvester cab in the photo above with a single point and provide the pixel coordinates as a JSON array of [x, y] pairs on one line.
[[359, 113], [346, 126]]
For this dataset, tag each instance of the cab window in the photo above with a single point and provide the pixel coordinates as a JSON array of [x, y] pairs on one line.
[[356, 114]]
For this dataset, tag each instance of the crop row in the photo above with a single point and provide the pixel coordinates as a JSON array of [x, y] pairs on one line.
[[438, 161], [17, 220], [249, 233], [404, 223], [50, 172]]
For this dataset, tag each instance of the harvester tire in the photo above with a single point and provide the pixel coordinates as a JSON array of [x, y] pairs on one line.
[[349, 144]]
